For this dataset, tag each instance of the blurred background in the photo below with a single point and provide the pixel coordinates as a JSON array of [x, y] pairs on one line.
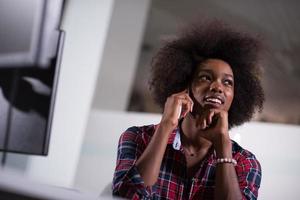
[[278, 22], [102, 88], [134, 36]]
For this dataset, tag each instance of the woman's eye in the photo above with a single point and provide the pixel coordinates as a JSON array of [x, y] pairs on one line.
[[204, 78], [228, 82]]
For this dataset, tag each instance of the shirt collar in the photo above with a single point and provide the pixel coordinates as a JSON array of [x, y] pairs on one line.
[[174, 139], [177, 141]]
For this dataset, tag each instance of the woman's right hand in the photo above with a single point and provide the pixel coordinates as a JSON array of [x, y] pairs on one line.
[[177, 105]]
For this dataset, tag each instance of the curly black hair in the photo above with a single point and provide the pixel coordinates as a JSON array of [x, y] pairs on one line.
[[174, 65]]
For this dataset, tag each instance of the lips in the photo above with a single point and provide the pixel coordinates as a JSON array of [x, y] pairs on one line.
[[216, 100]]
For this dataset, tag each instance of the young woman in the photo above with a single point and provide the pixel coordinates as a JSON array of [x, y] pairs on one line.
[[207, 81]]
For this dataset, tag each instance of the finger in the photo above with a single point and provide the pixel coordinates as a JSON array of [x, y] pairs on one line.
[[204, 124], [223, 116], [186, 107], [178, 107], [179, 111], [207, 118], [181, 93], [189, 108], [220, 119], [210, 116], [187, 103], [187, 96]]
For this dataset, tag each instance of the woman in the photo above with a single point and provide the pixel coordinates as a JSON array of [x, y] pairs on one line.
[[207, 81]]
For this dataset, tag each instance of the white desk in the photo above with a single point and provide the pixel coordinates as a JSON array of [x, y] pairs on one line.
[[15, 185]]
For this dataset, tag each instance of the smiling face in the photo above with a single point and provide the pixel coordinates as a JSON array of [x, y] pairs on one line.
[[213, 85]]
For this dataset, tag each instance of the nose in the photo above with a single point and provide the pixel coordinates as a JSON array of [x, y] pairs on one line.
[[216, 87]]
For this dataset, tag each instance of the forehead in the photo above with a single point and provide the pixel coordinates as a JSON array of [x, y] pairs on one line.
[[216, 66]]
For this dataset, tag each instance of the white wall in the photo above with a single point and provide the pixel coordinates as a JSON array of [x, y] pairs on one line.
[[98, 155], [114, 82], [275, 145], [121, 54], [277, 148], [86, 24]]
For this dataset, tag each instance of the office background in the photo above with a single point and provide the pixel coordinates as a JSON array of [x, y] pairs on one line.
[[102, 84]]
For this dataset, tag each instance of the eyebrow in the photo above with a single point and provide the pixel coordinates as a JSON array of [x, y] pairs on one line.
[[210, 71]]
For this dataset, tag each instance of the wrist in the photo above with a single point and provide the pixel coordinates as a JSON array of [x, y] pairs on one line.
[[166, 127], [223, 147], [168, 124]]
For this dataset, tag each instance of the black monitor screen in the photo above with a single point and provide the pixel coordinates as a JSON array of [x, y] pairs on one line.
[[26, 104], [29, 62]]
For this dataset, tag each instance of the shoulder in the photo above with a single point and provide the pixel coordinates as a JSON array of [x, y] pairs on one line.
[[136, 133]]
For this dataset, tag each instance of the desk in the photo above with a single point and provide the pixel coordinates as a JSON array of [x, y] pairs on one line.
[[14, 186]]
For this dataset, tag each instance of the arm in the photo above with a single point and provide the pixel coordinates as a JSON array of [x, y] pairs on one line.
[[127, 181], [138, 164], [128, 178], [246, 177], [150, 161], [240, 182], [226, 181], [227, 185]]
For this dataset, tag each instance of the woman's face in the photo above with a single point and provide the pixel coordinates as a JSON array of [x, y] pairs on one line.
[[213, 85]]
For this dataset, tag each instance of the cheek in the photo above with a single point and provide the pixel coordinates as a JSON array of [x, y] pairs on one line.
[[199, 89], [198, 93]]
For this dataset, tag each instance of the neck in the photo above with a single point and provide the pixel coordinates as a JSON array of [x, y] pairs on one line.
[[191, 135]]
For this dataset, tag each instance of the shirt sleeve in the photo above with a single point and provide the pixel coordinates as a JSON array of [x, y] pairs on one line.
[[127, 181], [249, 176]]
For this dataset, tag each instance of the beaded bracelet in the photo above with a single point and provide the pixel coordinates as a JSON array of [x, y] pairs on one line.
[[226, 160]]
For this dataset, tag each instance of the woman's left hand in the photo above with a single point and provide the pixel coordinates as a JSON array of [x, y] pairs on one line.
[[214, 127]]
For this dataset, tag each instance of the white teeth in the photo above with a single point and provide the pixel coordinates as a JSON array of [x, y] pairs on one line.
[[213, 100]]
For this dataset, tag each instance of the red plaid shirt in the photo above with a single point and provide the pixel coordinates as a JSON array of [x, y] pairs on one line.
[[173, 182]]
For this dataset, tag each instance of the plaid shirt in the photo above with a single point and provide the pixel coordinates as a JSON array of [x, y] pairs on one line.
[[173, 182]]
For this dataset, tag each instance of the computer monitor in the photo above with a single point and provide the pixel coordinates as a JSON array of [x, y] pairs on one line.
[[30, 51]]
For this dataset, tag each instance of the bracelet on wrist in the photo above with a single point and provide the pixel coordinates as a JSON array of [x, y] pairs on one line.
[[226, 160]]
